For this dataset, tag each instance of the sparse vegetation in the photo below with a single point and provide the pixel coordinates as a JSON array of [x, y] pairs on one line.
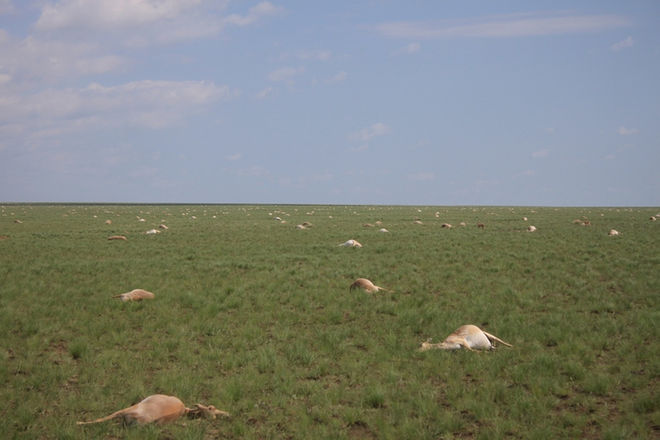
[[255, 317]]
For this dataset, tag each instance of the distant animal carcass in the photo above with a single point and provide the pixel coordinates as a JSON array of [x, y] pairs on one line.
[[159, 408], [351, 243], [469, 337], [365, 284], [135, 295]]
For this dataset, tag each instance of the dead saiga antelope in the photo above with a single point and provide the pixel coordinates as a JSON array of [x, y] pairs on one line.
[[135, 295], [363, 283], [159, 408], [466, 336]]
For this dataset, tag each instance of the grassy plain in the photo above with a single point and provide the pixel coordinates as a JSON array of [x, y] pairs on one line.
[[255, 317]]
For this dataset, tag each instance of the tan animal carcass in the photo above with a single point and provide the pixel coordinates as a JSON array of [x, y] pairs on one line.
[[351, 243], [135, 295], [159, 408], [363, 283], [117, 237], [613, 232], [468, 336]]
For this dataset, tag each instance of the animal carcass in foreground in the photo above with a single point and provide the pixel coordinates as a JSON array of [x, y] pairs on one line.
[[466, 336], [159, 408], [613, 232], [135, 295], [351, 243], [363, 283]]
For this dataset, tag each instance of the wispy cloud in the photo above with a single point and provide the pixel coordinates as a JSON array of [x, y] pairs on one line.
[[338, 77], [253, 171], [263, 9], [422, 176], [517, 25], [540, 153], [625, 43], [367, 133], [51, 113], [623, 131], [285, 74], [409, 49], [36, 58], [139, 23], [109, 13], [265, 93], [318, 55], [6, 7], [234, 157]]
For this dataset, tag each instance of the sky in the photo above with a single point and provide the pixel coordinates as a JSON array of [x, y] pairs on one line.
[[544, 103]]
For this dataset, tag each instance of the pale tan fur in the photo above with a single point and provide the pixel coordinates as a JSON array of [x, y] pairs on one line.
[[468, 336], [531, 228], [163, 226], [446, 225], [159, 408], [351, 243], [117, 237], [363, 283], [613, 232], [135, 295]]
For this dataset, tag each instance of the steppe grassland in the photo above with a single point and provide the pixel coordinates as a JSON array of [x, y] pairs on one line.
[[255, 317]]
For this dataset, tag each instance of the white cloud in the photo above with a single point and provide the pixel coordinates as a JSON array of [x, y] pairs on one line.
[[265, 93], [285, 74], [35, 58], [318, 55], [540, 153], [253, 171], [106, 14], [51, 113], [263, 9], [338, 77], [374, 130], [413, 48], [422, 176], [623, 131], [6, 7], [626, 42], [140, 23], [235, 156], [516, 25], [409, 49]]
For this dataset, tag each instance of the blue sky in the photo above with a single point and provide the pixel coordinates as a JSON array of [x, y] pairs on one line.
[[347, 102]]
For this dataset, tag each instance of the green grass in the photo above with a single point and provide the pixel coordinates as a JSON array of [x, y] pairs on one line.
[[256, 317]]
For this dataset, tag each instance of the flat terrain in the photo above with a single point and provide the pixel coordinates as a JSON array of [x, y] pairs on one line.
[[255, 317]]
